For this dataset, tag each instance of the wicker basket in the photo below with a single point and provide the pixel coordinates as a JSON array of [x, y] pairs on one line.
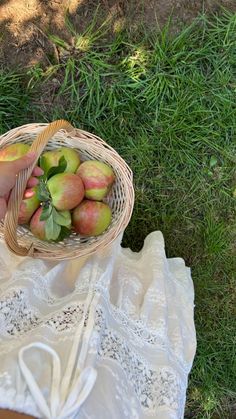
[[121, 198]]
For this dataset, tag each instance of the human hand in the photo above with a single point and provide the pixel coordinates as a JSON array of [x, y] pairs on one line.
[[8, 174]]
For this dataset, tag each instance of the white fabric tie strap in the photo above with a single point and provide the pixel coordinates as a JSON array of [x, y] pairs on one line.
[[32, 384], [69, 392]]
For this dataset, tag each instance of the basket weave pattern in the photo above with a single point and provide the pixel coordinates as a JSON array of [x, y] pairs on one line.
[[90, 147]]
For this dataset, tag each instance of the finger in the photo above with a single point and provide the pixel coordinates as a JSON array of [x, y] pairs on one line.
[[28, 193], [33, 181], [22, 163], [37, 171], [3, 208]]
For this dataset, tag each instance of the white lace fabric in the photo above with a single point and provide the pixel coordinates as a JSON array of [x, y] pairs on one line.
[[110, 336]]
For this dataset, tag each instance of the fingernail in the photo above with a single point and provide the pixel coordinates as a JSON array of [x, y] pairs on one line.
[[40, 171], [31, 154], [29, 193]]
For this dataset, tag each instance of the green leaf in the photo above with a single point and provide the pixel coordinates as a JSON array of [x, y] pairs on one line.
[[213, 161], [49, 228], [65, 232], [46, 212], [43, 194], [52, 229], [63, 218], [58, 169], [42, 163]]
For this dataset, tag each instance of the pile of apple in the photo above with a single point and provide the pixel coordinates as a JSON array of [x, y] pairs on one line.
[[69, 196]]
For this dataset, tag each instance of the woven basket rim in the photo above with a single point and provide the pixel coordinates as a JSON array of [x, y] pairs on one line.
[[123, 185]]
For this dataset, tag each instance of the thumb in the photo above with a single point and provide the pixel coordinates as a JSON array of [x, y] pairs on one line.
[[23, 163]]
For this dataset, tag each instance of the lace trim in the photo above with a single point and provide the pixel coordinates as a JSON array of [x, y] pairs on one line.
[[10, 399], [16, 314], [35, 273], [154, 388], [18, 317], [66, 319]]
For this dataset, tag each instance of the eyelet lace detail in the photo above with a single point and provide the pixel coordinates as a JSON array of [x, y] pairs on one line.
[[125, 339], [10, 399], [66, 319], [153, 387], [17, 316]]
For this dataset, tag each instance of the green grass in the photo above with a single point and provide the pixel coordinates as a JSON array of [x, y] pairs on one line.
[[14, 100], [168, 106]]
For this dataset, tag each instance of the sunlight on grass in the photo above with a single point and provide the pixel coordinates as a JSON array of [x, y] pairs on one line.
[[210, 403], [119, 25], [83, 43], [137, 63]]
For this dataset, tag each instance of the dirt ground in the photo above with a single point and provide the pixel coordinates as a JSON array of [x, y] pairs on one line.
[[25, 25]]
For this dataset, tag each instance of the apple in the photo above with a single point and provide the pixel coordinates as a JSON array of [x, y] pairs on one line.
[[66, 190], [37, 227], [51, 159], [50, 227], [91, 218], [14, 151], [28, 205], [97, 178]]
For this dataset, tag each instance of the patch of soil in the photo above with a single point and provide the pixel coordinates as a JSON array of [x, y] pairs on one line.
[[26, 25]]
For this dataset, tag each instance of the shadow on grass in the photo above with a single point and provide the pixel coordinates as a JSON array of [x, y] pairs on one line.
[[25, 28]]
